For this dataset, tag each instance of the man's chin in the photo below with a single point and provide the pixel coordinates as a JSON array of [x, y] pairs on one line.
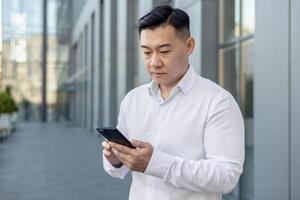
[[158, 81]]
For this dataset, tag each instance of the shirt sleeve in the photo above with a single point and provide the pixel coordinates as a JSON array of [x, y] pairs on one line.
[[108, 167], [113, 171], [224, 153]]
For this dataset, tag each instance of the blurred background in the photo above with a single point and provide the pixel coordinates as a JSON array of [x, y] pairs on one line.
[[66, 66]]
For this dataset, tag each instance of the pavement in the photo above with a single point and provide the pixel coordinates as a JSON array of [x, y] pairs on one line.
[[56, 162]]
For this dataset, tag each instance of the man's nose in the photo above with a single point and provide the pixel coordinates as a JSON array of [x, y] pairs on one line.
[[155, 61]]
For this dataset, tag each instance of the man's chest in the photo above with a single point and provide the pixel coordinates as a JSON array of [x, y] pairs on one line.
[[175, 127]]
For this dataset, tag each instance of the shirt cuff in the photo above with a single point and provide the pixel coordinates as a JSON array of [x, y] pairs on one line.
[[159, 164], [113, 171]]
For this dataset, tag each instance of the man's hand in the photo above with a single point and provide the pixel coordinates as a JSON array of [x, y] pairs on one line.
[[109, 154], [134, 159]]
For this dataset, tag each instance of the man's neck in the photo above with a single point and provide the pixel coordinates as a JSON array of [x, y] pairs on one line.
[[166, 90]]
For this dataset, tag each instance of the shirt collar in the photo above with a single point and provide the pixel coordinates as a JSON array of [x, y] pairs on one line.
[[153, 88], [185, 84], [187, 81]]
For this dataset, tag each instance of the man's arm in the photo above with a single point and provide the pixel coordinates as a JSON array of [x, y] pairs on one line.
[[224, 151], [207, 175]]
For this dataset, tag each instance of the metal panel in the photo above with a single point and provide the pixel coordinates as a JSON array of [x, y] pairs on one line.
[[132, 34], [143, 8], [185, 3], [106, 62], [44, 65], [89, 75], [295, 99], [109, 86], [113, 62], [126, 47], [92, 72], [85, 88], [271, 100], [81, 86], [194, 11], [209, 40], [83, 18], [122, 50], [100, 54], [96, 66]]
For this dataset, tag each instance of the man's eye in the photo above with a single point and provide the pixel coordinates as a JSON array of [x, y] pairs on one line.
[[147, 53], [165, 52]]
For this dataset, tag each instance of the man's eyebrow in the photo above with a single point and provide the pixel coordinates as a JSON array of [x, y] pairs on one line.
[[158, 47]]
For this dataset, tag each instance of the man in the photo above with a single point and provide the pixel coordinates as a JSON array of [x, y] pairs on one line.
[[188, 131]]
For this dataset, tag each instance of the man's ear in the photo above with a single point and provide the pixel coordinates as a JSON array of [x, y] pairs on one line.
[[190, 45]]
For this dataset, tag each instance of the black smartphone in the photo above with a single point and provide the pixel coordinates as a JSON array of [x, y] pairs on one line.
[[114, 135]]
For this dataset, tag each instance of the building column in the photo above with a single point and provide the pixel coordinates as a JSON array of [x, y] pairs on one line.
[[295, 99], [44, 65], [272, 100], [109, 70]]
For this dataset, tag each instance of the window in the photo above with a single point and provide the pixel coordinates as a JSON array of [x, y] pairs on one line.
[[236, 41]]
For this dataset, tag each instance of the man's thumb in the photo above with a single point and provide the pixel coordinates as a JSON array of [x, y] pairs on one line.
[[139, 144]]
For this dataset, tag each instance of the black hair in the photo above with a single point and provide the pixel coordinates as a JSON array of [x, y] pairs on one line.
[[166, 15]]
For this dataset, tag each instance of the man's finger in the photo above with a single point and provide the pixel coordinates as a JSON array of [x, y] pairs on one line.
[[139, 144], [105, 145], [127, 164], [125, 158], [121, 148], [115, 152], [106, 153]]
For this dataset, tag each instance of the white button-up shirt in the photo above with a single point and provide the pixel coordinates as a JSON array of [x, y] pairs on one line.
[[197, 135]]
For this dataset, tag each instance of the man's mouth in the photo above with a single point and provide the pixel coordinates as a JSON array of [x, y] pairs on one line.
[[158, 74]]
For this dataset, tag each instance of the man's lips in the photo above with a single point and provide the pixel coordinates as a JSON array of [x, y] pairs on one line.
[[157, 74]]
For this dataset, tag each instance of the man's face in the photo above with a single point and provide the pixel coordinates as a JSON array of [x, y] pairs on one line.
[[165, 54]]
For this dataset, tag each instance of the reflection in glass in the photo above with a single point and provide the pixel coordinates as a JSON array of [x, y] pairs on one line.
[[18, 49], [247, 56], [248, 12], [228, 73], [236, 54], [229, 20], [21, 55]]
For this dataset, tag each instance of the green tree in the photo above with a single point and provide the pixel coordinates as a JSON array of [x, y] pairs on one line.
[[7, 103]]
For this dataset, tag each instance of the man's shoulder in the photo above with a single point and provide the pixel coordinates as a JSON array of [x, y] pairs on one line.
[[211, 90], [137, 91], [204, 85]]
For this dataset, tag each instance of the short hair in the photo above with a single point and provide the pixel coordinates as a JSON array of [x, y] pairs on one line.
[[166, 15]]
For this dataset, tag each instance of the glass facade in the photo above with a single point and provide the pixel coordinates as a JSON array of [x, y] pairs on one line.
[[21, 50], [236, 55], [21, 55]]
